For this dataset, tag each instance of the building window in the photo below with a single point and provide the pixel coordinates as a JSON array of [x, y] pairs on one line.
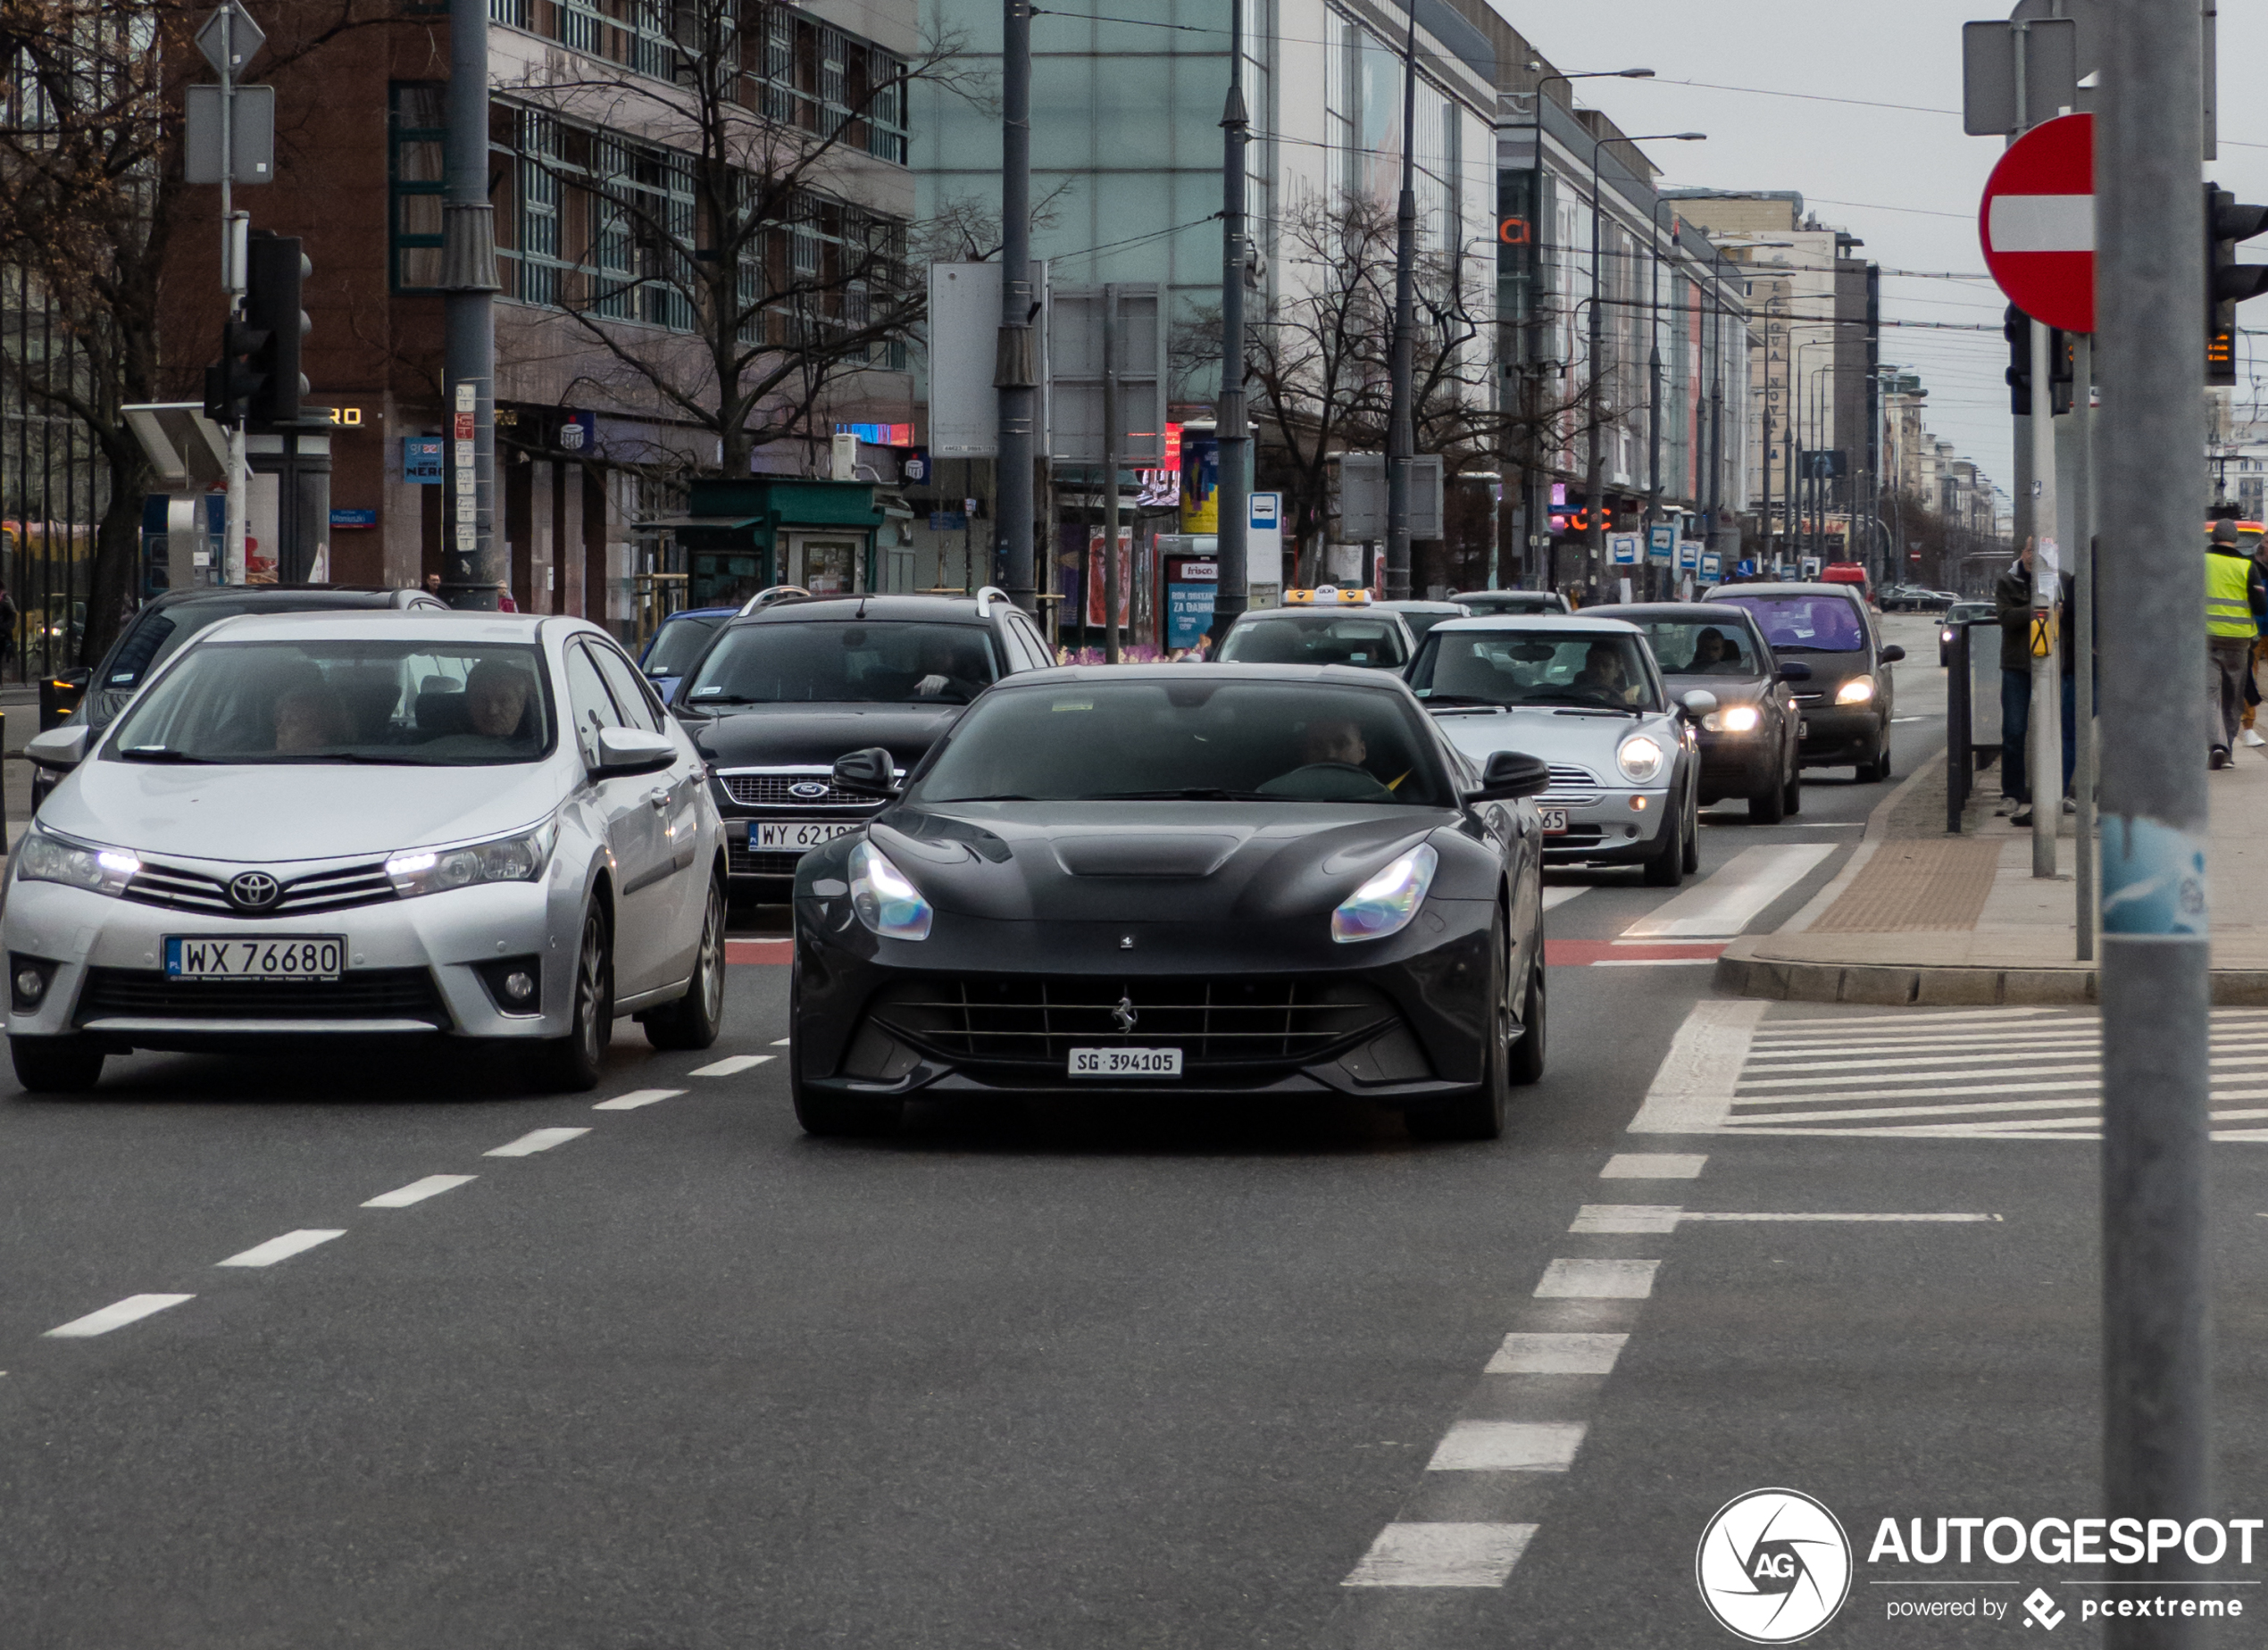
[[417, 119]]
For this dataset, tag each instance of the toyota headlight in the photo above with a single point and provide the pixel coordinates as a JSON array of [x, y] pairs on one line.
[[1858, 691], [520, 857], [1385, 903], [41, 857], [1640, 759], [1733, 718], [885, 897]]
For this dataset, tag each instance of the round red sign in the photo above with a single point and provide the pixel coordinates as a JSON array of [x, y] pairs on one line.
[[2037, 222]]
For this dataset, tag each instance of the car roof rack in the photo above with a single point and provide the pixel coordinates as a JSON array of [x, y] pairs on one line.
[[769, 594], [985, 598]]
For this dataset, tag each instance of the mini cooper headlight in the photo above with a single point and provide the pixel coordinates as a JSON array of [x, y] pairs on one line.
[[44, 858], [1733, 718], [1385, 903], [1640, 759], [885, 897], [520, 857], [1858, 691]]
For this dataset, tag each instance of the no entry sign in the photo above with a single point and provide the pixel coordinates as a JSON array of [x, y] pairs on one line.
[[2037, 222]]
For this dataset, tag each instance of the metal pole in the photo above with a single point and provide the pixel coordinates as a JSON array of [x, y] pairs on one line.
[[1401, 434], [2157, 1455], [2082, 517], [232, 282], [1594, 466], [1015, 363], [2046, 736], [1653, 393], [472, 570], [1111, 586], [1233, 435]]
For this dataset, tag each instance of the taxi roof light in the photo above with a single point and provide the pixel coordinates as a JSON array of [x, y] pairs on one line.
[[1327, 595]]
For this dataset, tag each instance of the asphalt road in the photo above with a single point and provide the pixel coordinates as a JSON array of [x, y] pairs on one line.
[[1146, 1378]]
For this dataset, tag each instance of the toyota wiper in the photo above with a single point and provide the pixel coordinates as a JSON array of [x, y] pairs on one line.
[[159, 752]]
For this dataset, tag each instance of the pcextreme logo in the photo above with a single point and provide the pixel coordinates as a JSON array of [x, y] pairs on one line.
[[1774, 1566]]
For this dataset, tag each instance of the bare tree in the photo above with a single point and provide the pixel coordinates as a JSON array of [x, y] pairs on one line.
[[714, 194]]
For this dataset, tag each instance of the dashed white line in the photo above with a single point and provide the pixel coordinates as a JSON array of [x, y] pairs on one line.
[[116, 1315], [1733, 896], [1442, 1555], [1626, 1218], [418, 1191], [781, 1042], [1653, 1166], [537, 1140], [1508, 1447], [636, 1098], [1558, 1353], [1843, 1219], [1597, 1280], [283, 1248], [732, 1065]]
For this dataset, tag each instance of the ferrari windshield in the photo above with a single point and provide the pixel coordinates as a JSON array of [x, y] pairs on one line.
[[1199, 738], [1578, 668], [837, 663], [419, 704]]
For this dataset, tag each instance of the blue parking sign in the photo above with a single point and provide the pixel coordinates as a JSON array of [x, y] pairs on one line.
[[1746, 567]]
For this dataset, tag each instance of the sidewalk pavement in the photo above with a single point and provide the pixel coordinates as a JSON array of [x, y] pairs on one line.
[[1918, 916]]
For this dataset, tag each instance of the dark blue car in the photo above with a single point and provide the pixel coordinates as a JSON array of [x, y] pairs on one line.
[[679, 641]]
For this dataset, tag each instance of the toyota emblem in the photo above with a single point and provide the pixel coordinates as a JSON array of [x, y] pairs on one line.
[[255, 890], [809, 791]]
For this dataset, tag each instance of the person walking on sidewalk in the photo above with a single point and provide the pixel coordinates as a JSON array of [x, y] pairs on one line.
[[2011, 607], [2236, 598]]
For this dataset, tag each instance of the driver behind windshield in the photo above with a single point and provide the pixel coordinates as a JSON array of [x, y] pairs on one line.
[[1331, 754], [311, 716], [946, 671], [1713, 650], [495, 698], [1602, 674]]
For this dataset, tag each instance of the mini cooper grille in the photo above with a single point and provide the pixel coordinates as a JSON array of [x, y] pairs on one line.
[[1571, 788], [773, 790], [358, 994], [329, 890], [1037, 1020]]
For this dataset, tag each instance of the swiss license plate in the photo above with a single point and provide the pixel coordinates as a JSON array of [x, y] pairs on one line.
[[1126, 1062], [796, 833], [291, 956], [1554, 821]]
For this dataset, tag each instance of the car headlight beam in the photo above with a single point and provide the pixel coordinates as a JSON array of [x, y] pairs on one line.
[[885, 897], [1858, 691], [44, 857], [1639, 758], [1386, 903], [1733, 718], [520, 857]]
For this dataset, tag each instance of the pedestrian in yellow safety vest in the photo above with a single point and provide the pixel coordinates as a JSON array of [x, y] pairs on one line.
[[2236, 597]]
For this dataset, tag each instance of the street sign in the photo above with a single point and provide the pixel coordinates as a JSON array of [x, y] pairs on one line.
[[1623, 549], [1689, 554], [1711, 568], [1746, 567], [1137, 313], [1989, 102], [251, 112], [1661, 543], [1362, 496], [2036, 222], [230, 40]]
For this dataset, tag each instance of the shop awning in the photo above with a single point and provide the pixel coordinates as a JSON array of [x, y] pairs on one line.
[[723, 523]]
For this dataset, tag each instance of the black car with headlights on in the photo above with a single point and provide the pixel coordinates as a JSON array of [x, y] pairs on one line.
[[1848, 702], [784, 690], [1215, 880]]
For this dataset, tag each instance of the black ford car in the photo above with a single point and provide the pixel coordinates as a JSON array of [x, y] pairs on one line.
[[784, 691]]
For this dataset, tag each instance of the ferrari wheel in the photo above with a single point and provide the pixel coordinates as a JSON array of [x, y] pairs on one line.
[[1527, 1059], [1479, 1112]]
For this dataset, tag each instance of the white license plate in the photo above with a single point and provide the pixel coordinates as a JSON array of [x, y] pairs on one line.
[[1126, 1062], [1554, 821], [293, 956], [796, 834]]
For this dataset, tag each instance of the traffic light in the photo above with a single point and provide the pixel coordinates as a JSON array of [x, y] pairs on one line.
[[271, 308], [2228, 282], [231, 382], [2061, 370]]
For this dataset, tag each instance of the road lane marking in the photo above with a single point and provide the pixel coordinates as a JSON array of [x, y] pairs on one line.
[[636, 1098], [781, 1042], [1559, 1353], [1735, 895], [114, 1316], [1653, 1166], [1860, 1220], [1442, 1555], [1626, 1218], [418, 1191], [1508, 1447], [1903, 1021], [1692, 1092], [1556, 896], [1597, 1280], [283, 1248], [1653, 961], [537, 1140], [732, 1065]]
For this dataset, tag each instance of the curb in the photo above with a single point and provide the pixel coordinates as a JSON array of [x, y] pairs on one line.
[[1744, 973]]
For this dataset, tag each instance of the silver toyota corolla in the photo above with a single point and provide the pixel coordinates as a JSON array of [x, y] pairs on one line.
[[374, 826]]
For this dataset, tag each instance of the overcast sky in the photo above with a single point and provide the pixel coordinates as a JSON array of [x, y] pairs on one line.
[[1906, 181]]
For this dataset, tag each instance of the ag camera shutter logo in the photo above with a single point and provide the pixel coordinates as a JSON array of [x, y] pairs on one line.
[[1774, 1566]]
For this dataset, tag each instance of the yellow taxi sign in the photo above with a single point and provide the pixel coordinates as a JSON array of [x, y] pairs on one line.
[[1326, 596]]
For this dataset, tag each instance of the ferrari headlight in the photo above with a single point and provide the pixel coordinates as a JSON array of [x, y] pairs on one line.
[[520, 857], [1640, 759], [1858, 691], [44, 858], [1385, 903], [1733, 718], [885, 897]]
